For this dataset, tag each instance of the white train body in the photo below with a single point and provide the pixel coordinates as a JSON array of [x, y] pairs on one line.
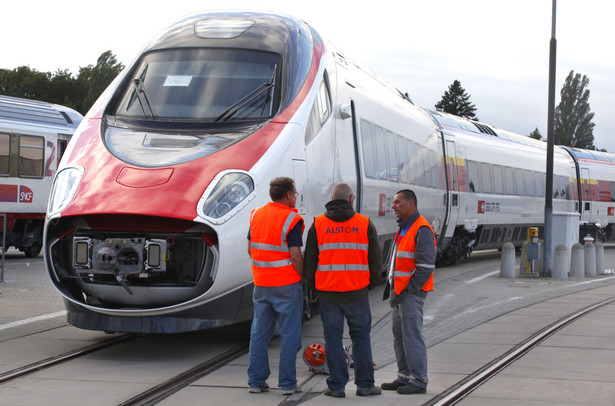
[[146, 230]]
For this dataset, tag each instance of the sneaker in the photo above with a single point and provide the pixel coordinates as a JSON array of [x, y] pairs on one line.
[[374, 390], [335, 393], [296, 389], [392, 385], [259, 389], [410, 389]]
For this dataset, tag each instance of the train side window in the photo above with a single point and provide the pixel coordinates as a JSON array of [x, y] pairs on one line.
[[612, 185], [393, 162], [369, 154], [498, 179], [380, 146], [31, 156], [61, 149], [5, 154], [529, 182], [519, 182], [321, 110], [403, 159], [539, 182], [473, 183], [509, 183], [485, 171]]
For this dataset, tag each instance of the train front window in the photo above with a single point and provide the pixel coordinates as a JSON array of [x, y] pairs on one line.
[[203, 85]]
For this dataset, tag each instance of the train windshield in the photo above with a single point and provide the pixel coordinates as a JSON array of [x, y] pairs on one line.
[[202, 85]]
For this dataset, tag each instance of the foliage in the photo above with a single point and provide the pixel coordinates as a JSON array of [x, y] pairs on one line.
[[456, 101], [62, 87], [536, 134], [573, 117]]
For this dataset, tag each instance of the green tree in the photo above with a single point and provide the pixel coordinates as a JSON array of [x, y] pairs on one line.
[[456, 101], [97, 78], [536, 134], [573, 117], [62, 87]]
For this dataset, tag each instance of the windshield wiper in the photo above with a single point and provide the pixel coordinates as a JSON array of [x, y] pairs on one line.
[[247, 100], [148, 110]]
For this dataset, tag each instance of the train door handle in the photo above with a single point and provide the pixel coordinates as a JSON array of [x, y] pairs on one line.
[[587, 206], [455, 199]]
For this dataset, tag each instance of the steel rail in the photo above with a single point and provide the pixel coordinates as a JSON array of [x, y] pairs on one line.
[[49, 362], [178, 382], [472, 382]]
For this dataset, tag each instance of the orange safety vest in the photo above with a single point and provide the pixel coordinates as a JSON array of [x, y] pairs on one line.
[[404, 262], [342, 260], [269, 227]]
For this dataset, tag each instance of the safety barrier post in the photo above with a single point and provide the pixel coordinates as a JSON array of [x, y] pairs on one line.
[[577, 261], [590, 256], [599, 257], [560, 263], [507, 264], [3, 216]]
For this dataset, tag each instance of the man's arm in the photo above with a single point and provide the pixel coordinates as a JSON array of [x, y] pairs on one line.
[[297, 259], [424, 258], [374, 256], [311, 257]]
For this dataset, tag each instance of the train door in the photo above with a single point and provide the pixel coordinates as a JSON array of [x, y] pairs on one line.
[[586, 195], [300, 177], [452, 187]]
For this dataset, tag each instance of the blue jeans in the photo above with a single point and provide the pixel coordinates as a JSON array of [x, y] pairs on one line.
[[283, 304], [359, 318], [409, 341]]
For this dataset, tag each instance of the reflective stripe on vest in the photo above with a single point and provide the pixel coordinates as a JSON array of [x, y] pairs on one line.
[[342, 254], [405, 265], [269, 228]]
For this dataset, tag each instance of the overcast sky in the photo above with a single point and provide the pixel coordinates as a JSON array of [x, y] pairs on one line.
[[498, 50]]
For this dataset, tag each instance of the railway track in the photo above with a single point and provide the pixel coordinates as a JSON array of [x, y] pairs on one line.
[[458, 392], [55, 360]]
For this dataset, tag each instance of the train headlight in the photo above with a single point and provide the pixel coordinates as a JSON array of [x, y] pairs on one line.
[[64, 189], [232, 191]]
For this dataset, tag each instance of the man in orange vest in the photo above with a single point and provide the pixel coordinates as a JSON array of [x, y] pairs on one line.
[[275, 240], [343, 259], [410, 278]]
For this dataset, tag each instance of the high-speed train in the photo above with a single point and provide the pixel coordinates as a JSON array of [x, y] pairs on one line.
[[147, 221], [33, 137]]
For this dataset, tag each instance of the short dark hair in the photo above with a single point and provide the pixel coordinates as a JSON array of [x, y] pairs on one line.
[[408, 195], [280, 186]]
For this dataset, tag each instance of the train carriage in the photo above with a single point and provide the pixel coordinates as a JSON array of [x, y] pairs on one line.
[[33, 138]]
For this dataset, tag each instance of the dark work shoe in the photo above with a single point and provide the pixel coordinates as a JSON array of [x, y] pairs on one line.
[[410, 389], [335, 393], [259, 389], [392, 385], [374, 390], [296, 389]]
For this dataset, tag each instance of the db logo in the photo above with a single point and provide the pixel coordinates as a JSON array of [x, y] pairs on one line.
[[25, 194], [611, 211], [481, 206]]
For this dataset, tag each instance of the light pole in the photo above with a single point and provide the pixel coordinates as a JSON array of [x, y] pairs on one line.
[[548, 249]]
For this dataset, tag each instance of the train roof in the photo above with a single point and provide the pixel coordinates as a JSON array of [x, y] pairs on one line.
[[26, 111], [591, 155]]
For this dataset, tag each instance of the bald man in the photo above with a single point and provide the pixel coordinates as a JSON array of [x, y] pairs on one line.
[[343, 260]]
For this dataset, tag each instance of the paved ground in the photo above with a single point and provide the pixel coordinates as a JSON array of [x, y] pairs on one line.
[[472, 317]]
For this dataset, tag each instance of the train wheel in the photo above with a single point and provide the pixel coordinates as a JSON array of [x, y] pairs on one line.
[[33, 250]]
